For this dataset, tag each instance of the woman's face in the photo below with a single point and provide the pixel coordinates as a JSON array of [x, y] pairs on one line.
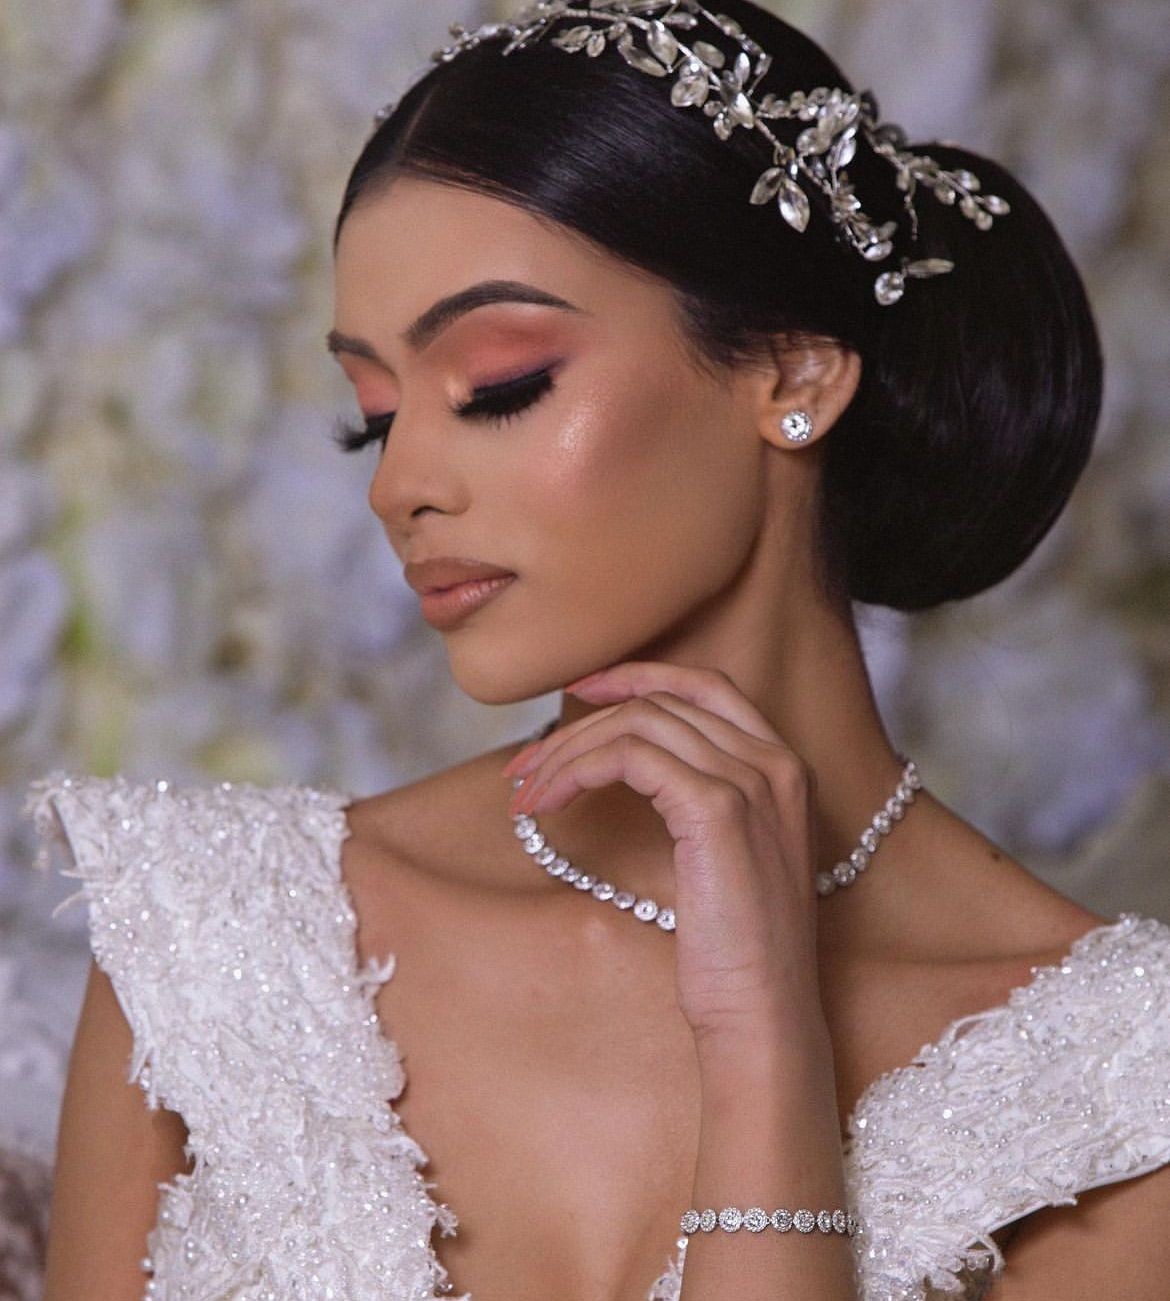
[[621, 484]]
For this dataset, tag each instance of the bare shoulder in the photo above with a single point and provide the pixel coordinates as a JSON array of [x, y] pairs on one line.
[[418, 846], [955, 926], [979, 908]]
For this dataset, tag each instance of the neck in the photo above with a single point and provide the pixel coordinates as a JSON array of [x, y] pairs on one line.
[[812, 685]]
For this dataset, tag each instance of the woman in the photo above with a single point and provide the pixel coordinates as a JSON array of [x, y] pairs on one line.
[[683, 350]]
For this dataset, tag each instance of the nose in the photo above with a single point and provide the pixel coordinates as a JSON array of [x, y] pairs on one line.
[[415, 473]]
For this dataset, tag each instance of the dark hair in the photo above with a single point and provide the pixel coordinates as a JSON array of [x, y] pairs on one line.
[[980, 389]]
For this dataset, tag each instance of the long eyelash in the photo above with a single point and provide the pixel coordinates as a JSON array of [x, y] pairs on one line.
[[500, 402], [352, 438], [495, 403]]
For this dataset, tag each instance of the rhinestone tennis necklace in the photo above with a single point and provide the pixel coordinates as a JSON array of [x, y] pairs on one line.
[[536, 844]]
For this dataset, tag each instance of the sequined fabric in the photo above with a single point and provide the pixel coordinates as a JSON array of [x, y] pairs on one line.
[[221, 917]]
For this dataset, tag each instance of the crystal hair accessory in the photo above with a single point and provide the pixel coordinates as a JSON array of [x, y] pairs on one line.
[[725, 90]]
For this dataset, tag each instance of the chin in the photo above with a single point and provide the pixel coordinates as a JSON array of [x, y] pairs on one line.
[[496, 677]]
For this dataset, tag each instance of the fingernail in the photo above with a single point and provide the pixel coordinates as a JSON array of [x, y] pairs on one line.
[[522, 799], [514, 763], [586, 681], [524, 767]]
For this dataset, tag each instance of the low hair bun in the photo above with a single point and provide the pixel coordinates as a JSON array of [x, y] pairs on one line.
[[976, 411]]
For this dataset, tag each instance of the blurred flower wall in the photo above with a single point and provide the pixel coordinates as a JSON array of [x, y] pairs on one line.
[[192, 585]]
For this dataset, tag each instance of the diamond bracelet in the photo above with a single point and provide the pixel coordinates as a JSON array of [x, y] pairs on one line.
[[756, 1219]]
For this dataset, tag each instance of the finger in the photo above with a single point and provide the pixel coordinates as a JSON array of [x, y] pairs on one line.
[[663, 723], [710, 689], [570, 738], [789, 777], [687, 798], [524, 761]]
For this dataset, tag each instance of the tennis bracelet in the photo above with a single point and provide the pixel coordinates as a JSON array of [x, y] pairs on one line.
[[756, 1219]]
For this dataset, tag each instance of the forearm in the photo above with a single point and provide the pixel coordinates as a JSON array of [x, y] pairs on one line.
[[769, 1137]]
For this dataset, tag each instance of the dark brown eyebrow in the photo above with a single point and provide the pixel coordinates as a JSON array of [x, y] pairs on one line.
[[448, 310]]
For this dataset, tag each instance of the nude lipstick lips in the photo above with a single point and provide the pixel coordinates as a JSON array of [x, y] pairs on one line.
[[445, 607]]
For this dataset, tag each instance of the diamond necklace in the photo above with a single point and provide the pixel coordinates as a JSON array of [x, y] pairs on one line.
[[647, 910]]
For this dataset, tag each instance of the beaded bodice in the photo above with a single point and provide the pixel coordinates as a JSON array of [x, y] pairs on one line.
[[221, 916]]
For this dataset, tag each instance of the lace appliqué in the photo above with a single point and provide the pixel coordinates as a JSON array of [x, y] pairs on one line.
[[219, 917]]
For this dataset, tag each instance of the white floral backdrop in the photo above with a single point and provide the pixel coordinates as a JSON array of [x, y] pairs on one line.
[[192, 585]]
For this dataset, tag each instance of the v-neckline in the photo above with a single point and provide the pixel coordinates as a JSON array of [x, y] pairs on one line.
[[862, 1106]]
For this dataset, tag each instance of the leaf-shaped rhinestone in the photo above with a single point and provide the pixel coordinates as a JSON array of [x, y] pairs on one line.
[[889, 287], [711, 55], [595, 44], [841, 154], [794, 205], [573, 38], [688, 91], [740, 109], [768, 186], [639, 58], [876, 252], [931, 266], [662, 43]]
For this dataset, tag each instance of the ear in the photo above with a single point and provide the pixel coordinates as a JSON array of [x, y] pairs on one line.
[[812, 374]]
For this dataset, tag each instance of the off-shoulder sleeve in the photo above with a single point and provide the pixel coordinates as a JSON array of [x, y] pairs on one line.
[[1062, 1089], [111, 829], [220, 915]]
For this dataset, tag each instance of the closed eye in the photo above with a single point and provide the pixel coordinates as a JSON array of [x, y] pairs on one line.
[[493, 403]]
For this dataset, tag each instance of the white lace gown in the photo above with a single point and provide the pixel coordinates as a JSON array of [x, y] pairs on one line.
[[222, 919]]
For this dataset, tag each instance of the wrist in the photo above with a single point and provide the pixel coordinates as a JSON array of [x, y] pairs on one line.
[[764, 1046]]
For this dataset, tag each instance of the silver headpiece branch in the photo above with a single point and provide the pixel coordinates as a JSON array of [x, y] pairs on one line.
[[703, 78]]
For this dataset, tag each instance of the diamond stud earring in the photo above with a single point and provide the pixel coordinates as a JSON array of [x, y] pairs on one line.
[[797, 426]]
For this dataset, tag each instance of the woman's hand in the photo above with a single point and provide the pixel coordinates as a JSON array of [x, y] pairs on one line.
[[738, 804]]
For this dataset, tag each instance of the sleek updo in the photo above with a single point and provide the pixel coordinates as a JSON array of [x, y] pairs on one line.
[[980, 389]]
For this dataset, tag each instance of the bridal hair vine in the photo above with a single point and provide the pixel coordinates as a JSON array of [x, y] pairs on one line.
[[704, 78]]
